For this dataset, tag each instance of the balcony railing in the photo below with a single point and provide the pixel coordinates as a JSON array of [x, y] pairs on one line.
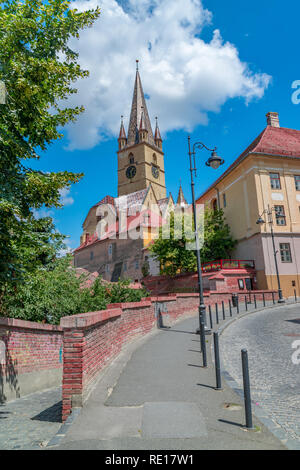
[[227, 264]]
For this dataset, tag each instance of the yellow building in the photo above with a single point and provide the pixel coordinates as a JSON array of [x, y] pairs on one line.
[[266, 175]]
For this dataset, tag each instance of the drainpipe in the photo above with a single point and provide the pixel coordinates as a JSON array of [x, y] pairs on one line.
[[218, 198]]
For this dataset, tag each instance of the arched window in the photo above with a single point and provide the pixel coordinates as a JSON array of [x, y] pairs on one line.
[[154, 159], [214, 205]]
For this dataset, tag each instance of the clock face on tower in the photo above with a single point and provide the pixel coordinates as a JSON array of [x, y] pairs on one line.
[[155, 171], [131, 172]]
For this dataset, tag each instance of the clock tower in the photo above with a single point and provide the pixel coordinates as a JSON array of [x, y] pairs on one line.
[[140, 155]]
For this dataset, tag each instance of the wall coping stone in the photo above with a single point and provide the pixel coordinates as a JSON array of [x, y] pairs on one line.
[[16, 323], [85, 320]]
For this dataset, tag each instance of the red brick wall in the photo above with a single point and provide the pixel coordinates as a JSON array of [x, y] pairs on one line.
[[30, 346], [27, 347]]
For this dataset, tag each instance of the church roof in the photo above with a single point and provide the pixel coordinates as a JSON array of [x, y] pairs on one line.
[[273, 141], [145, 218], [133, 201], [138, 105]]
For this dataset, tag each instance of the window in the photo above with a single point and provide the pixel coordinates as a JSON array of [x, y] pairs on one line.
[[136, 265], [275, 181], [285, 252], [91, 255], [110, 250], [125, 266], [224, 200], [280, 215], [297, 182], [131, 158], [214, 205], [107, 268], [154, 158]]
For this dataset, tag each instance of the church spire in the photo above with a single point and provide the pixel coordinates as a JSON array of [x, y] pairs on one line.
[[157, 136], [122, 136], [138, 108], [181, 201]]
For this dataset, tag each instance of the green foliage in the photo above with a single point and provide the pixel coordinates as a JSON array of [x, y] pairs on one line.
[[171, 249], [218, 241], [39, 71], [49, 294], [145, 268]]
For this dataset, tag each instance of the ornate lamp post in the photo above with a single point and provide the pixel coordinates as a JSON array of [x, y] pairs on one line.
[[261, 221], [214, 162]]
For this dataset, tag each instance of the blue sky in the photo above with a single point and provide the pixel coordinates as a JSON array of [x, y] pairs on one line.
[[237, 80]]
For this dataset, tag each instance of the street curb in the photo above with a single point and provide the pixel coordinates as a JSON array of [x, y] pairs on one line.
[[258, 410], [61, 433]]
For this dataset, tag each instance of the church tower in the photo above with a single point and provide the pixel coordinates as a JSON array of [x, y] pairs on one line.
[[140, 155]]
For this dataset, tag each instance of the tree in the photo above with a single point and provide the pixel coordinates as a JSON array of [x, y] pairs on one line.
[[170, 246], [39, 70], [218, 241], [172, 252]]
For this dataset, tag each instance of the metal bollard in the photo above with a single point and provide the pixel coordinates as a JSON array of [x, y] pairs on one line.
[[237, 305], [202, 335], [246, 305], [247, 394], [295, 294], [217, 314], [273, 298], [217, 362], [223, 310], [210, 317], [264, 299], [230, 308], [255, 302]]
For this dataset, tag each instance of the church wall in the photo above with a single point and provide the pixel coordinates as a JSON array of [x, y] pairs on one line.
[[103, 257]]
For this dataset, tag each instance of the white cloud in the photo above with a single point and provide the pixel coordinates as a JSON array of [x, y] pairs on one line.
[[67, 249], [184, 76], [42, 213], [65, 198]]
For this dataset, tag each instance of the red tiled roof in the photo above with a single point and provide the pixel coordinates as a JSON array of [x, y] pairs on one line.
[[106, 200], [145, 218], [277, 141]]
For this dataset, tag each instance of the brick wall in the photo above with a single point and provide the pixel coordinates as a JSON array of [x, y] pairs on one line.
[[30, 357]]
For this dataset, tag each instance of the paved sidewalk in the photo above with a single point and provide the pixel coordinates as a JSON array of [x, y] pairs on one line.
[[30, 422], [158, 396]]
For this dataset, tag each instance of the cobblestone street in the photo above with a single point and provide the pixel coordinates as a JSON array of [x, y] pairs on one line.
[[275, 380], [30, 422]]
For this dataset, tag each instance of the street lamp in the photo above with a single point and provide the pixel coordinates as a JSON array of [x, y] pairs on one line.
[[261, 221], [214, 162]]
